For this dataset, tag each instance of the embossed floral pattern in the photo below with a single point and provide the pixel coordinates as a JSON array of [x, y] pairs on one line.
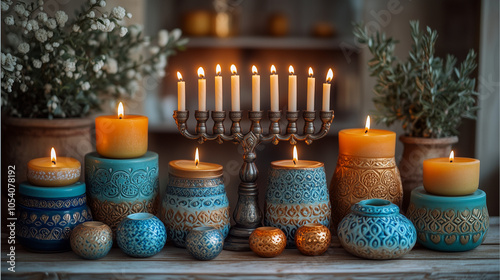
[[60, 175], [375, 230], [356, 179], [296, 197]]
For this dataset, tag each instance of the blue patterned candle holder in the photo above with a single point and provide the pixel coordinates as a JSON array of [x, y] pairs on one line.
[[376, 230], [296, 195], [141, 235], [120, 187], [46, 216], [204, 243], [449, 223], [194, 199]]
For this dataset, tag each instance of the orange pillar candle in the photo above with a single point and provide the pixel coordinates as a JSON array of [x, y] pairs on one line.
[[451, 176], [53, 171], [368, 143], [121, 136]]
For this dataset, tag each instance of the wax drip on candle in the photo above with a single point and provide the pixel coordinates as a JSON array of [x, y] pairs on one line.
[[196, 158], [120, 111], [53, 156], [452, 156], [295, 155], [367, 125]]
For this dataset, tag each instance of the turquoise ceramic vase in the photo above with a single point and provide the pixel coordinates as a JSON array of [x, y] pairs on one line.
[[204, 243], [449, 223], [47, 215], [376, 230], [295, 197], [141, 235]]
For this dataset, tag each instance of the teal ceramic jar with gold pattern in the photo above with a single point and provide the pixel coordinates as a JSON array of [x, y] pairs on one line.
[[449, 223], [47, 215]]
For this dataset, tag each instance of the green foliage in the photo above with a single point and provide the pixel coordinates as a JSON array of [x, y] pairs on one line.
[[428, 94]]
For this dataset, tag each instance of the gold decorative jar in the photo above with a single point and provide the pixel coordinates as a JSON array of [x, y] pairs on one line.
[[267, 242], [313, 239]]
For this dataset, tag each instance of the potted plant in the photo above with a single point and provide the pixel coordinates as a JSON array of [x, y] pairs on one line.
[[57, 69], [429, 95]]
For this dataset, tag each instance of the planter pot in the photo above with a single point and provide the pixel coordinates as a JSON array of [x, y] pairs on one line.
[[376, 230], [449, 223], [416, 150], [141, 235], [46, 216], [24, 139]]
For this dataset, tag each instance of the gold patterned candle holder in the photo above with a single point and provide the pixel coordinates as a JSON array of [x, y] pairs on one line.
[[359, 178], [313, 239], [267, 242]]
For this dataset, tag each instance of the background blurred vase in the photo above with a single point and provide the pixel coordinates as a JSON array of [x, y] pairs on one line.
[[416, 150], [296, 197], [92, 240], [449, 223], [141, 235], [46, 216], [376, 230], [194, 202]]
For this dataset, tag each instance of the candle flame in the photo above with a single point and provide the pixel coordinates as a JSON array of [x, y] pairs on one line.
[[254, 70], [218, 70], [53, 156], [120, 111], [201, 73], [311, 73], [273, 69], [179, 76], [196, 158], [329, 76], [295, 155], [233, 69], [290, 70], [452, 156], [367, 125]]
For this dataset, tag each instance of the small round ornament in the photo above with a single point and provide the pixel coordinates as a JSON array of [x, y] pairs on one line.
[[91, 240], [204, 243], [267, 242], [313, 239], [141, 235]]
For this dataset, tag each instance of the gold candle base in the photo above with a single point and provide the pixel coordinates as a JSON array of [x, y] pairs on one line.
[[358, 178]]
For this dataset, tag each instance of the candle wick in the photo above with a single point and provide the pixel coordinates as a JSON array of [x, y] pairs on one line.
[[366, 131], [294, 161], [120, 117], [451, 160], [54, 162]]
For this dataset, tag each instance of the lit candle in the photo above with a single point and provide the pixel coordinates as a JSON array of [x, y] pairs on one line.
[[292, 90], [451, 176], [275, 95], [121, 136], [326, 90], [181, 93], [255, 89], [202, 90], [310, 90], [235, 89], [53, 171], [195, 168], [366, 142], [295, 163], [218, 88]]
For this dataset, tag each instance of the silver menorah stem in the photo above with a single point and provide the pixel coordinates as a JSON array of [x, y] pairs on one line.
[[247, 215]]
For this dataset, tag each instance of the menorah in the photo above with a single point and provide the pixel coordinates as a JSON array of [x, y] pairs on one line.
[[247, 214]]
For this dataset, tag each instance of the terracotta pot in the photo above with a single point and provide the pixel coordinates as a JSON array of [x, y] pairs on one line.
[[416, 150], [24, 139]]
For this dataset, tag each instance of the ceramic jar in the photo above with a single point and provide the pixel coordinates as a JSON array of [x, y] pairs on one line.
[[92, 240], [46, 216], [267, 242], [449, 223], [313, 239], [204, 243], [194, 200], [296, 197], [141, 235], [376, 230], [120, 187]]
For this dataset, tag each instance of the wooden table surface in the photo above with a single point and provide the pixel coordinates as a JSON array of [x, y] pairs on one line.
[[175, 263]]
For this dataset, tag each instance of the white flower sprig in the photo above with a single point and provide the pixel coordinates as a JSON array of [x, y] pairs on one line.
[[54, 66]]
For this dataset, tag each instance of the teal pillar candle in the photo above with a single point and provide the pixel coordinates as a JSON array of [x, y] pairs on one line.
[[47, 215], [120, 187], [449, 223], [296, 195]]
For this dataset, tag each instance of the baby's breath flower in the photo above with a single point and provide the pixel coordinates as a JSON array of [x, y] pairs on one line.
[[42, 16], [37, 63], [129, 15], [51, 23], [123, 31], [61, 18], [162, 38], [86, 86], [118, 12], [45, 58], [76, 28], [9, 20], [5, 6], [102, 3], [91, 14], [41, 35], [19, 9], [23, 48]]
